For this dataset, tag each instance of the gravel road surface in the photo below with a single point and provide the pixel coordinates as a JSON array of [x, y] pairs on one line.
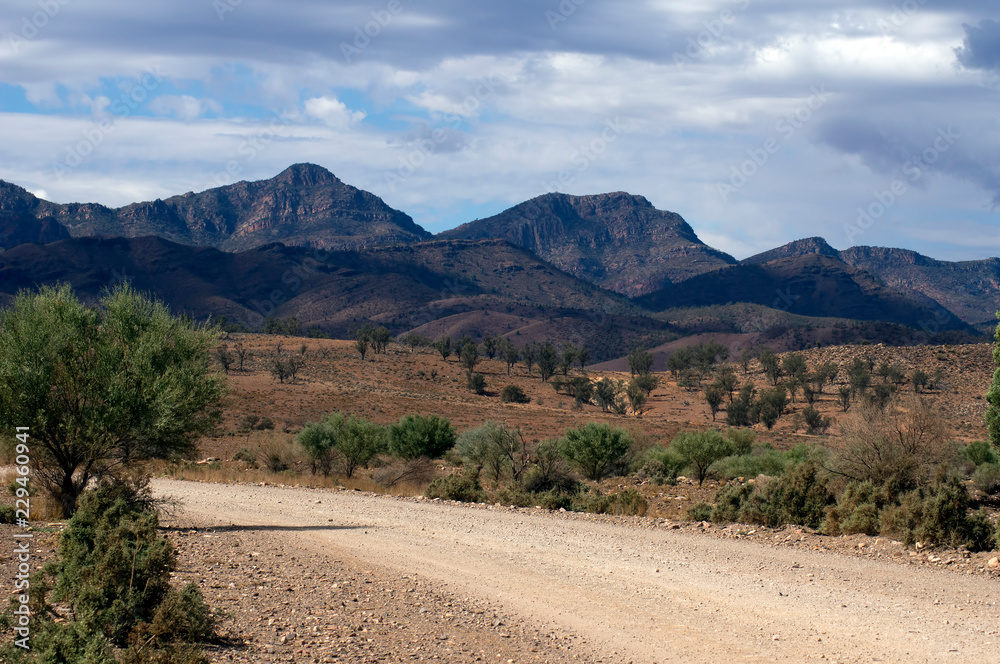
[[634, 590]]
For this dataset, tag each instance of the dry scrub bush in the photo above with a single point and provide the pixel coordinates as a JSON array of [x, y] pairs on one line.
[[900, 445]]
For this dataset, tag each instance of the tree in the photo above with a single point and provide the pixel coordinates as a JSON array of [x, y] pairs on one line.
[[476, 382], [919, 380], [494, 448], [701, 449], [416, 436], [510, 355], [443, 346], [714, 397], [491, 345], [529, 354], [640, 361], [514, 394], [582, 357], [637, 396], [595, 448], [361, 343], [993, 395], [102, 389], [225, 357], [469, 356], [380, 338], [242, 353], [771, 364], [726, 381], [414, 340], [606, 394], [548, 359]]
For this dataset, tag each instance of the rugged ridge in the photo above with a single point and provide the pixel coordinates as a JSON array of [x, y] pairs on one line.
[[304, 205], [618, 241]]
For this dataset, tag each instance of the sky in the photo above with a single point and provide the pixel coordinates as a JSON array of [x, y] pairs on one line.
[[759, 121]]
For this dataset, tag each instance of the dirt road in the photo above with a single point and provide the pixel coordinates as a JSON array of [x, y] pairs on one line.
[[645, 594]]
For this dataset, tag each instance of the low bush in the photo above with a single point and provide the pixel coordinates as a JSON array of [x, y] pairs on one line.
[[741, 441], [247, 456], [987, 478], [416, 436], [662, 464], [699, 512], [628, 502], [980, 452], [858, 510], [515, 496], [701, 449], [595, 448], [799, 497], [514, 394], [938, 514], [462, 488]]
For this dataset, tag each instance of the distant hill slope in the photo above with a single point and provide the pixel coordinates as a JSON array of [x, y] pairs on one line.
[[968, 290], [304, 205], [433, 287], [808, 285], [617, 241]]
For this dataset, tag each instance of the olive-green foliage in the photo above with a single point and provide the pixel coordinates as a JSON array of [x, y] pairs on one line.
[[493, 449], [701, 449], [980, 452], [514, 394], [416, 436], [476, 382], [113, 574], [699, 512], [104, 387], [463, 488], [351, 442], [595, 448], [661, 464], [628, 502], [938, 514], [987, 478], [7, 514], [741, 440], [763, 460], [858, 510], [993, 395], [549, 472], [800, 497]]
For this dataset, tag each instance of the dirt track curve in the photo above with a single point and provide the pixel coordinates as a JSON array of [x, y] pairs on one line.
[[642, 592]]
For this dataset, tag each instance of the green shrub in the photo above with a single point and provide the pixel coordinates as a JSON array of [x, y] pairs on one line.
[[514, 394], [763, 461], [699, 512], [549, 472], [247, 456], [415, 436], [741, 440], [987, 478], [112, 573], [980, 452], [476, 382], [701, 449], [815, 422], [515, 496], [494, 449], [595, 448], [554, 500], [462, 488], [798, 497], [859, 510], [7, 514], [628, 502], [938, 514], [662, 464]]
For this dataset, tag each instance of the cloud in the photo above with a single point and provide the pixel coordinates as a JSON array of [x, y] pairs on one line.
[[981, 48], [332, 112], [183, 107]]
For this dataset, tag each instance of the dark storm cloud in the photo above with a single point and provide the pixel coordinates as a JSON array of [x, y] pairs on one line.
[[981, 49]]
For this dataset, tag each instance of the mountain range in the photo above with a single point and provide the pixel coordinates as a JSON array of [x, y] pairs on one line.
[[608, 270]]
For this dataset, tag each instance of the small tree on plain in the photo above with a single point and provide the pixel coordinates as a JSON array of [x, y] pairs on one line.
[[993, 395], [714, 397], [444, 347], [701, 449], [511, 355], [103, 389], [415, 436], [548, 359], [640, 361], [595, 448]]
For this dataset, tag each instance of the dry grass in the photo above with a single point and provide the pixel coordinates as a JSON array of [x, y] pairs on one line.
[[225, 474]]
